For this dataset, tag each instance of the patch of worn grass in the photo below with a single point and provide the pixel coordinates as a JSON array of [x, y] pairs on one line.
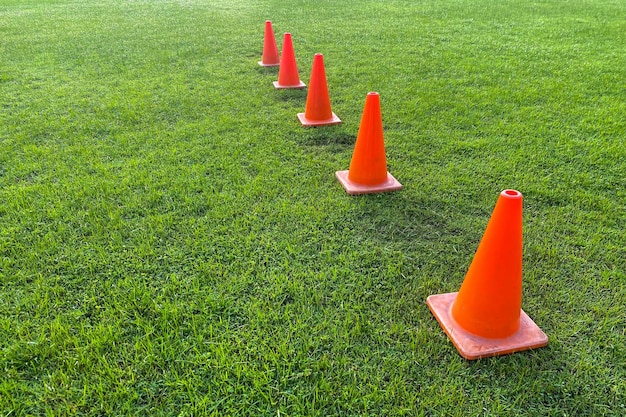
[[173, 242]]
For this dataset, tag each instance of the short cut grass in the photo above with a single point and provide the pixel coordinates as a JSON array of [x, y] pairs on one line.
[[173, 242]]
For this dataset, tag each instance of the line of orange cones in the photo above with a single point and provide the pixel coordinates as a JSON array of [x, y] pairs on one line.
[[368, 168], [484, 318]]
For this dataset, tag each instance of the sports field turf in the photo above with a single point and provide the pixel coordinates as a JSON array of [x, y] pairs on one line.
[[173, 242]]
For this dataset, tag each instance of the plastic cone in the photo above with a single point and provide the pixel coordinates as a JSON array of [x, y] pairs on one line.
[[368, 168], [485, 317], [317, 111], [270, 51], [288, 73]]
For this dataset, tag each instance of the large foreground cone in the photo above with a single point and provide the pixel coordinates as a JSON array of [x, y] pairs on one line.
[[288, 73], [270, 51], [368, 168], [317, 111], [485, 317]]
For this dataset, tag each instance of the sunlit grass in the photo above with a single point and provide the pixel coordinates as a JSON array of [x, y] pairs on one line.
[[173, 242]]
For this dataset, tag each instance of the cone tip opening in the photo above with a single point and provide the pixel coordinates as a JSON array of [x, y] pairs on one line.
[[373, 93], [511, 194], [268, 21], [317, 54]]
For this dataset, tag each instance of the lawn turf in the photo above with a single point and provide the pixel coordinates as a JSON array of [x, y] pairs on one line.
[[173, 242]]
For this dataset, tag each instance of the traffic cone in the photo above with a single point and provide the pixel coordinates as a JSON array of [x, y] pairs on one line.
[[270, 51], [317, 111], [288, 73], [484, 318], [368, 168]]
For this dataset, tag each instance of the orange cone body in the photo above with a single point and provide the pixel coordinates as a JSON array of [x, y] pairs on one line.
[[318, 111], [369, 163], [368, 167], [288, 73], [270, 50], [485, 317], [490, 298]]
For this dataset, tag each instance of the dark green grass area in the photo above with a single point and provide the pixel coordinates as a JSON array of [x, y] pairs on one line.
[[173, 242]]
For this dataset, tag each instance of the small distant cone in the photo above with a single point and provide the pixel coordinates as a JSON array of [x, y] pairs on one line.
[[368, 168], [317, 111], [288, 73], [270, 51], [485, 317]]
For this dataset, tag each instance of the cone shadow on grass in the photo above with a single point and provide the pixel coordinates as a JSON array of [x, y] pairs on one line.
[[404, 218], [267, 70], [330, 137], [294, 96]]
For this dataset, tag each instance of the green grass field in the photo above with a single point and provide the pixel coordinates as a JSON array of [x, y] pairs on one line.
[[173, 242]]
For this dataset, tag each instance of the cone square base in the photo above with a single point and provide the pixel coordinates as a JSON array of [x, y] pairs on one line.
[[471, 346], [269, 65], [353, 188], [299, 86], [314, 123]]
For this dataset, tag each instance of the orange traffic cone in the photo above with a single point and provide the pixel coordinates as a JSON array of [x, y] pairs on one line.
[[270, 51], [317, 111], [288, 73], [485, 317], [368, 168]]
